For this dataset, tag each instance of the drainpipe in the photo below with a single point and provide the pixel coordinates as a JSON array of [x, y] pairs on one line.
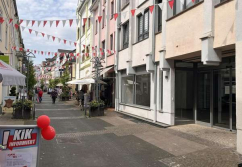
[[153, 57], [117, 40]]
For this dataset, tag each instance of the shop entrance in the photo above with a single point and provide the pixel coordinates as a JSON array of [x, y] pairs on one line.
[[206, 94]]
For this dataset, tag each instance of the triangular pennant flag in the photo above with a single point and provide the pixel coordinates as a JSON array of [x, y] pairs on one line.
[[161, 5], [23, 28], [57, 22], [36, 32], [193, 1], [43, 34], [39, 22], [59, 40], [84, 21], [101, 49], [133, 12], [38, 51], [124, 15], [34, 51], [77, 21], [42, 52], [171, 3], [27, 22], [99, 18], [21, 21], [51, 22], [70, 42], [44, 23], [48, 36], [84, 46], [48, 53], [70, 21], [64, 41], [1, 20], [10, 21], [115, 16], [21, 49], [64, 22], [75, 43], [151, 8], [30, 31], [33, 21], [27, 50]]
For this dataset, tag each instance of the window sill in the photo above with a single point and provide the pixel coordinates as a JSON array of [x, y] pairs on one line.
[[124, 6], [158, 32], [111, 18], [184, 11], [110, 55], [123, 49], [222, 3], [142, 3], [140, 41], [136, 106]]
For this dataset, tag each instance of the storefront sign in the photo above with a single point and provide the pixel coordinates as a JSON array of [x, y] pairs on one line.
[[5, 59], [19, 146]]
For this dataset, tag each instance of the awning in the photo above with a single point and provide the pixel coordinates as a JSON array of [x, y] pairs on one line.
[[106, 70], [10, 75], [85, 82]]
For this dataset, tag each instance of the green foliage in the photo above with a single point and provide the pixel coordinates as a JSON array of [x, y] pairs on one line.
[[54, 82], [64, 79], [28, 104], [31, 77], [96, 103], [13, 91]]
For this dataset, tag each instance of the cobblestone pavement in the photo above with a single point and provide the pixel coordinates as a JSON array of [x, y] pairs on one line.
[[6, 118], [118, 140]]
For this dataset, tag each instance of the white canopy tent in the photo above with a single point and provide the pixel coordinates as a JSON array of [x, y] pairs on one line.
[[11, 76], [85, 81]]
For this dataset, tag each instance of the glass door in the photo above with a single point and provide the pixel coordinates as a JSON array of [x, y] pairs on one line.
[[221, 98], [233, 99], [203, 96]]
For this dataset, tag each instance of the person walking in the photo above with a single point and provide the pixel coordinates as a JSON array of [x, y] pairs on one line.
[[40, 94], [54, 95]]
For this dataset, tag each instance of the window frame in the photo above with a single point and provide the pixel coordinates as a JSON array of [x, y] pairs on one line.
[[184, 7], [125, 44], [103, 19], [145, 34], [112, 9], [96, 28], [111, 42], [103, 47], [6, 37]]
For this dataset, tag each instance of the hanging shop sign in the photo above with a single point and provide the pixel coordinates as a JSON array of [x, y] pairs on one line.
[[19, 146]]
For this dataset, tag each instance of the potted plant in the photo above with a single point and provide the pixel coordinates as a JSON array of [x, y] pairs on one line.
[[26, 105], [96, 108], [17, 106]]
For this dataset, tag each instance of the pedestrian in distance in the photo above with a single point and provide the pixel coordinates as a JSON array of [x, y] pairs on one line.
[[54, 95], [40, 94]]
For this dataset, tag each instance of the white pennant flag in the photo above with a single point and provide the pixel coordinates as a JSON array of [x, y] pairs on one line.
[[92, 20], [22, 28], [52, 53], [182, 1], [48, 36], [59, 40], [38, 52], [161, 5], [64, 22], [124, 15], [36, 32], [70, 42], [77, 21], [51, 22], [27, 22], [39, 22]]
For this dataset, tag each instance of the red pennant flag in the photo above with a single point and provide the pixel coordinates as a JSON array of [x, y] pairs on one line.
[[14, 48], [30, 30], [94, 54], [57, 22], [171, 3], [87, 54], [115, 16], [75, 43], [48, 53], [151, 8], [21, 21], [1, 20], [10, 21], [43, 34], [42, 52], [193, 1], [92, 48], [84, 46], [64, 41], [44, 23], [20, 49], [56, 55], [84, 21], [101, 49], [70, 21], [99, 18], [27, 50], [78, 54], [133, 12], [53, 38], [35, 51], [16, 26], [102, 53], [33, 21]]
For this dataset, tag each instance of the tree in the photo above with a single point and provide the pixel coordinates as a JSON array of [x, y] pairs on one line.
[[54, 82], [42, 85], [64, 79], [31, 77]]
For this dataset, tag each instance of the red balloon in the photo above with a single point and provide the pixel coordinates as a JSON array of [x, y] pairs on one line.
[[43, 121], [48, 133]]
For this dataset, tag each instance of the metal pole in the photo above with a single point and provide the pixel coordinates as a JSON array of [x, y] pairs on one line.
[[28, 77]]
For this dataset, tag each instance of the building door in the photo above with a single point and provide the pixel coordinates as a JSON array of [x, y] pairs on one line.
[[204, 96]]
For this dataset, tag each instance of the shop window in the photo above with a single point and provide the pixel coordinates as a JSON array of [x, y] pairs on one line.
[[127, 90]]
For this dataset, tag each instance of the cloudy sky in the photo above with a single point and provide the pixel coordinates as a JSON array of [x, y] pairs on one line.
[[47, 10]]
